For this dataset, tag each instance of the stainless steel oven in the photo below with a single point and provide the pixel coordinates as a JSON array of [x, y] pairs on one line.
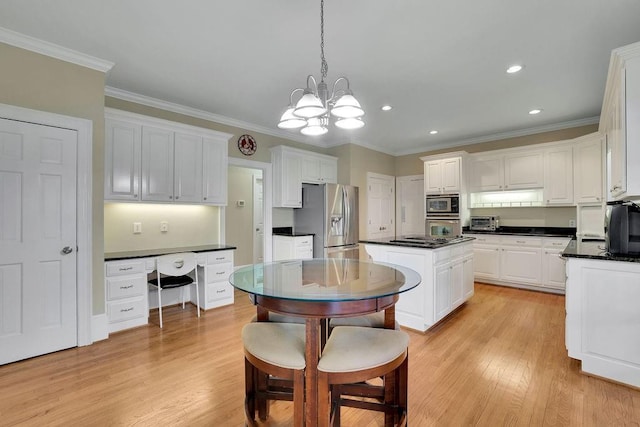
[[443, 227], [443, 205]]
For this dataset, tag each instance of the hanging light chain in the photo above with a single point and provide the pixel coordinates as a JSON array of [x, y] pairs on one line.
[[323, 64]]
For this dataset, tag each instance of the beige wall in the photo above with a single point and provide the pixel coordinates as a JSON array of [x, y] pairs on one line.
[[530, 217], [411, 164], [189, 225], [39, 82], [239, 219]]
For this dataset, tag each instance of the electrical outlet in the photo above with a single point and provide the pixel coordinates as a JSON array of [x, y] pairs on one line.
[[137, 227], [164, 226], [572, 223]]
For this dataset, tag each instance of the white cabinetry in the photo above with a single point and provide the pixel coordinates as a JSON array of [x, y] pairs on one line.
[[558, 175], [292, 247], [442, 175], [215, 289], [511, 171], [619, 122], [520, 261], [292, 167], [587, 169], [154, 160], [447, 281], [603, 320], [126, 294]]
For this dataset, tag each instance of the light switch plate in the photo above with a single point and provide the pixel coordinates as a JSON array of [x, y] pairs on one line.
[[164, 226], [137, 227]]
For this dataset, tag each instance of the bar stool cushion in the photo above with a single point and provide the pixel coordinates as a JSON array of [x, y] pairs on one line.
[[280, 344], [353, 348]]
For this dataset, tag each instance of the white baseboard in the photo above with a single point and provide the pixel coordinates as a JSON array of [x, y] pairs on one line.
[[99, 327]]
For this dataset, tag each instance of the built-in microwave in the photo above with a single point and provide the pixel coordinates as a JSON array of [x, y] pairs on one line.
[[443, 205]]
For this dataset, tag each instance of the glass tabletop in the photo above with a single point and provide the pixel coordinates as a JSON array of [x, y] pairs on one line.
[[329, 279]]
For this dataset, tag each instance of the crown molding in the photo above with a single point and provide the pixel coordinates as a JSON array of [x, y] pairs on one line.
[[53, 50], [205, 115], [502, 135]]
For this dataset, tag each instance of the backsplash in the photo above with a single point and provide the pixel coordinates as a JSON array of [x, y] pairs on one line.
[[188, 225], [534, 217]]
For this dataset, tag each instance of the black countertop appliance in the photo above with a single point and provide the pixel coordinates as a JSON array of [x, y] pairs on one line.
[[623, 228]]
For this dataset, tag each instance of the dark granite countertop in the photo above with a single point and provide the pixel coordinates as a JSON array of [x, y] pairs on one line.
[[594, 249], [393, 241], [288, 232], [527, 231], [114, 256]]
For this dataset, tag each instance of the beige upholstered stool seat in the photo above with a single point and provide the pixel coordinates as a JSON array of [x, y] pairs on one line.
[[373, 320], [354, 354], [275, 349]]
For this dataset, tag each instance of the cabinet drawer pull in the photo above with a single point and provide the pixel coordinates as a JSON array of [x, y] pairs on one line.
[[219, 258], [520, 241], [126, 287], [221, 291], [125, 268], [220, 272], [125, 310]]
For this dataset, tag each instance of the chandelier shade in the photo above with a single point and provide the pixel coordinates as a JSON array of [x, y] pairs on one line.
[[312, 112]]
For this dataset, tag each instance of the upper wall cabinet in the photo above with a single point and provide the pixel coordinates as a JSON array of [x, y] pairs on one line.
[[558, 174], [587, 169], [292, 167], [620, 123], [153, 160], [512, 171], [442, 176]]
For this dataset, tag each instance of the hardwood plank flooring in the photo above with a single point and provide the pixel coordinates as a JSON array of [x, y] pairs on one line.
[[499, 360]]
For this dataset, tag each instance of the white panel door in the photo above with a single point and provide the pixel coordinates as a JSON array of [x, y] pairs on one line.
[[410, 205], [258, 220], [380, 202], [38, 305], [157, 164]]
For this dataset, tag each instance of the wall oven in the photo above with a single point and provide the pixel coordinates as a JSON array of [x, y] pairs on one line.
[[443, 205], [438, 228]]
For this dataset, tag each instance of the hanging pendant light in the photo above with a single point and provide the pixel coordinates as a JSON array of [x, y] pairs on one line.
[[311, 114]]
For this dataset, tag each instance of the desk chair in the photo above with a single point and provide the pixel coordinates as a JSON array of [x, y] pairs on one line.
[[173, 272]]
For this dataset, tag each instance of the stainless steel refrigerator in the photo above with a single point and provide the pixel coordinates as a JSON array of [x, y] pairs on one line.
[[330, 212]]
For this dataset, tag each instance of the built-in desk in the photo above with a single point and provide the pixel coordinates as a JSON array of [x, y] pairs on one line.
[[126, 276]]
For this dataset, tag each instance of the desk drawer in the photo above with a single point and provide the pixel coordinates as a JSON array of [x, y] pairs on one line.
[[124, 267], [218, 272], [219, 257], [218, 291], [124, 287], [125, 310]]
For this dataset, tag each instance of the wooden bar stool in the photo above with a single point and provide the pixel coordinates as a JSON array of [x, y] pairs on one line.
[[275, 349], [355, 354]]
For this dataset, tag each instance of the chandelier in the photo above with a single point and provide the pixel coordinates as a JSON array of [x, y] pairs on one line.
[[316, 105]]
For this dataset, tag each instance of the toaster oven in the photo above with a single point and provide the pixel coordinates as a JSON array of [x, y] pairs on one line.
[[483, 223]]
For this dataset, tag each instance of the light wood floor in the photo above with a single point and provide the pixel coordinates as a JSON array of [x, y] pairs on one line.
[[500, 360]]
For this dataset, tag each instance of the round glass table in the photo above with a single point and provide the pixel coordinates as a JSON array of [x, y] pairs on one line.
[[318, 289]]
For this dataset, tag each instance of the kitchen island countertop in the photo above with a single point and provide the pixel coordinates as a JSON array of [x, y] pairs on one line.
[[143, 253]]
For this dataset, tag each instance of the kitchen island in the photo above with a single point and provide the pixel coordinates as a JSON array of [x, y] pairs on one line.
[[446, 268], [603, 315]]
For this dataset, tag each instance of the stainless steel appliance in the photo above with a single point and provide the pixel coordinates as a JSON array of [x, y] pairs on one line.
[[443, 228], [443, 205], [330, 212], [484, 223], [622, 233]]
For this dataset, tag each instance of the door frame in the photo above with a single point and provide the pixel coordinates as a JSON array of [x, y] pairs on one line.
[[267, 199], [84, 211]]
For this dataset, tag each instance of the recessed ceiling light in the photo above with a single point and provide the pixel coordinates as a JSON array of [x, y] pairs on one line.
[[514, 69], [433, 132], [535, 111], [386, 107]]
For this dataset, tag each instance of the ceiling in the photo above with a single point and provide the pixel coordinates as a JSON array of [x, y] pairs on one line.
[[440, 64]]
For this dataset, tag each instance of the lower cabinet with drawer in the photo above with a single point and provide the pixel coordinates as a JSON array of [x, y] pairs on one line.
[[214, 271], [292, 247], [126, 294], [521, 261]]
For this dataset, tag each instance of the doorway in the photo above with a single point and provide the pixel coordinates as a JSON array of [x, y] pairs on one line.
[[248, 212]]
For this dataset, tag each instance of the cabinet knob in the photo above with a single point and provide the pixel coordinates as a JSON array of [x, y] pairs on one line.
[[135, 196], [205, 198], [177, 197], [171, 197]]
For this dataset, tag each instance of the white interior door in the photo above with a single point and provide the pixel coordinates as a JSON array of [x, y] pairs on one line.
[[380, 203], [38, 304], [258, 220], [410, 205]]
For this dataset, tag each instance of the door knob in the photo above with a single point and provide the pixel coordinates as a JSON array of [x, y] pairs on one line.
[[66, 250]]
